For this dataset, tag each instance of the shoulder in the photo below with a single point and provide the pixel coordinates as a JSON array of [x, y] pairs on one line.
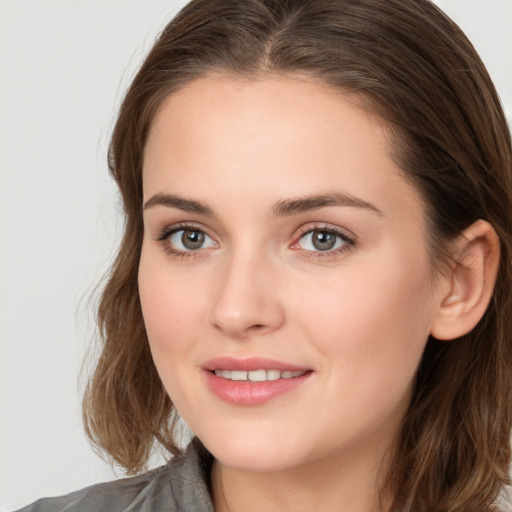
[[179, 485], [114, 496]]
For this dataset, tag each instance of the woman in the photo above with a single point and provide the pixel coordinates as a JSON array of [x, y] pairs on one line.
[[315, 267]]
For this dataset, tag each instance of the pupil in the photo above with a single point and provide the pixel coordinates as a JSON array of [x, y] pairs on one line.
[[323, 240], [192, 239]]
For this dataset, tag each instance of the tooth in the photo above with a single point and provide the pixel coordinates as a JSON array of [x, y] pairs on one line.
[[273, 374], [290, 375], [257, 375]]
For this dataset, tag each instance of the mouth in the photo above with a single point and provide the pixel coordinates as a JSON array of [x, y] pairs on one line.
[[258, 375], [254, 381]]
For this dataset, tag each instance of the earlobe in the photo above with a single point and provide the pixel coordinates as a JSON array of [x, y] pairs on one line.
[[470, 282]]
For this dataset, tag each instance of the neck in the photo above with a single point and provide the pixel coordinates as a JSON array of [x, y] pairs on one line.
[[325, 485]]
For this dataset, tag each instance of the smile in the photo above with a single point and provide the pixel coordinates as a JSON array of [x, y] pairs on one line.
[[258, 375], [253, 381]]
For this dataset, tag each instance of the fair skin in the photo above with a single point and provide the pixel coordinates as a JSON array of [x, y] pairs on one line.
[[341, 289]]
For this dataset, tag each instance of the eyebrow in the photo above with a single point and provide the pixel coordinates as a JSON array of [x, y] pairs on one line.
[[171, 201], [282, 208], [315, 202]]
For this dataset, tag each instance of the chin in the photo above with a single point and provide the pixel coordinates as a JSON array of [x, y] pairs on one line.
[[259, 453], [253, 459]]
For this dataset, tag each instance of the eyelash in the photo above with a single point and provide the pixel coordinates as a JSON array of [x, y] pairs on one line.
[[348, 242], [166, 233]]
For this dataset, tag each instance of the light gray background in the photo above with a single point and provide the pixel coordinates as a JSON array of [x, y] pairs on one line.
[[64, 65]]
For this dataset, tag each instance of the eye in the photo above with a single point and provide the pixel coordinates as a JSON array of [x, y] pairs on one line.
[[187, 239], [324, 240]]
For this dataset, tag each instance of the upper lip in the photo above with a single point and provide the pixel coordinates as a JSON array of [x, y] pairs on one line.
[[249, 364]]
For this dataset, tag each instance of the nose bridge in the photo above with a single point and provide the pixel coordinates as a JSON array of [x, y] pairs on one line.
[[247, 300]]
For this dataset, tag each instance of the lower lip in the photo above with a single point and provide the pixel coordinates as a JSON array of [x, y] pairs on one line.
[[245, 392]]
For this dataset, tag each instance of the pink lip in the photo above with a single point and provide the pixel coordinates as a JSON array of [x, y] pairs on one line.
[[249, 393], [250, 364]]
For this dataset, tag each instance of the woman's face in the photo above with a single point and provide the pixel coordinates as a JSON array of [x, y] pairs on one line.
[[282, 249]]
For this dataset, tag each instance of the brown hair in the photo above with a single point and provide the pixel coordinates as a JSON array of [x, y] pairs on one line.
[[418, 71]]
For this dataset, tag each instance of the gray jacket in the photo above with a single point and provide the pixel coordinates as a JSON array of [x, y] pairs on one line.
[[179, 486]]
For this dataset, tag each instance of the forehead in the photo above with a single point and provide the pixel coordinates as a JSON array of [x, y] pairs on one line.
[[285, 135], [290, 105]]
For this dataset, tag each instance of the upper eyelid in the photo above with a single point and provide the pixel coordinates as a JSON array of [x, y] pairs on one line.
[[178, 226], [322, 226]]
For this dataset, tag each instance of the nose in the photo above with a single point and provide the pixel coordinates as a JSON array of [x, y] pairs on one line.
[[247, 300]]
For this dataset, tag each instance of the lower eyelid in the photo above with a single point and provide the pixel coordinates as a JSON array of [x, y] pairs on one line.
[[329, 254]]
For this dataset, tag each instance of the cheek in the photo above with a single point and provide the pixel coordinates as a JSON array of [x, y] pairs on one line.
[[171, 305], [373, 322]]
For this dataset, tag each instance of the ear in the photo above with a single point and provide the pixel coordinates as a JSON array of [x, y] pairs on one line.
[[467, 288]]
